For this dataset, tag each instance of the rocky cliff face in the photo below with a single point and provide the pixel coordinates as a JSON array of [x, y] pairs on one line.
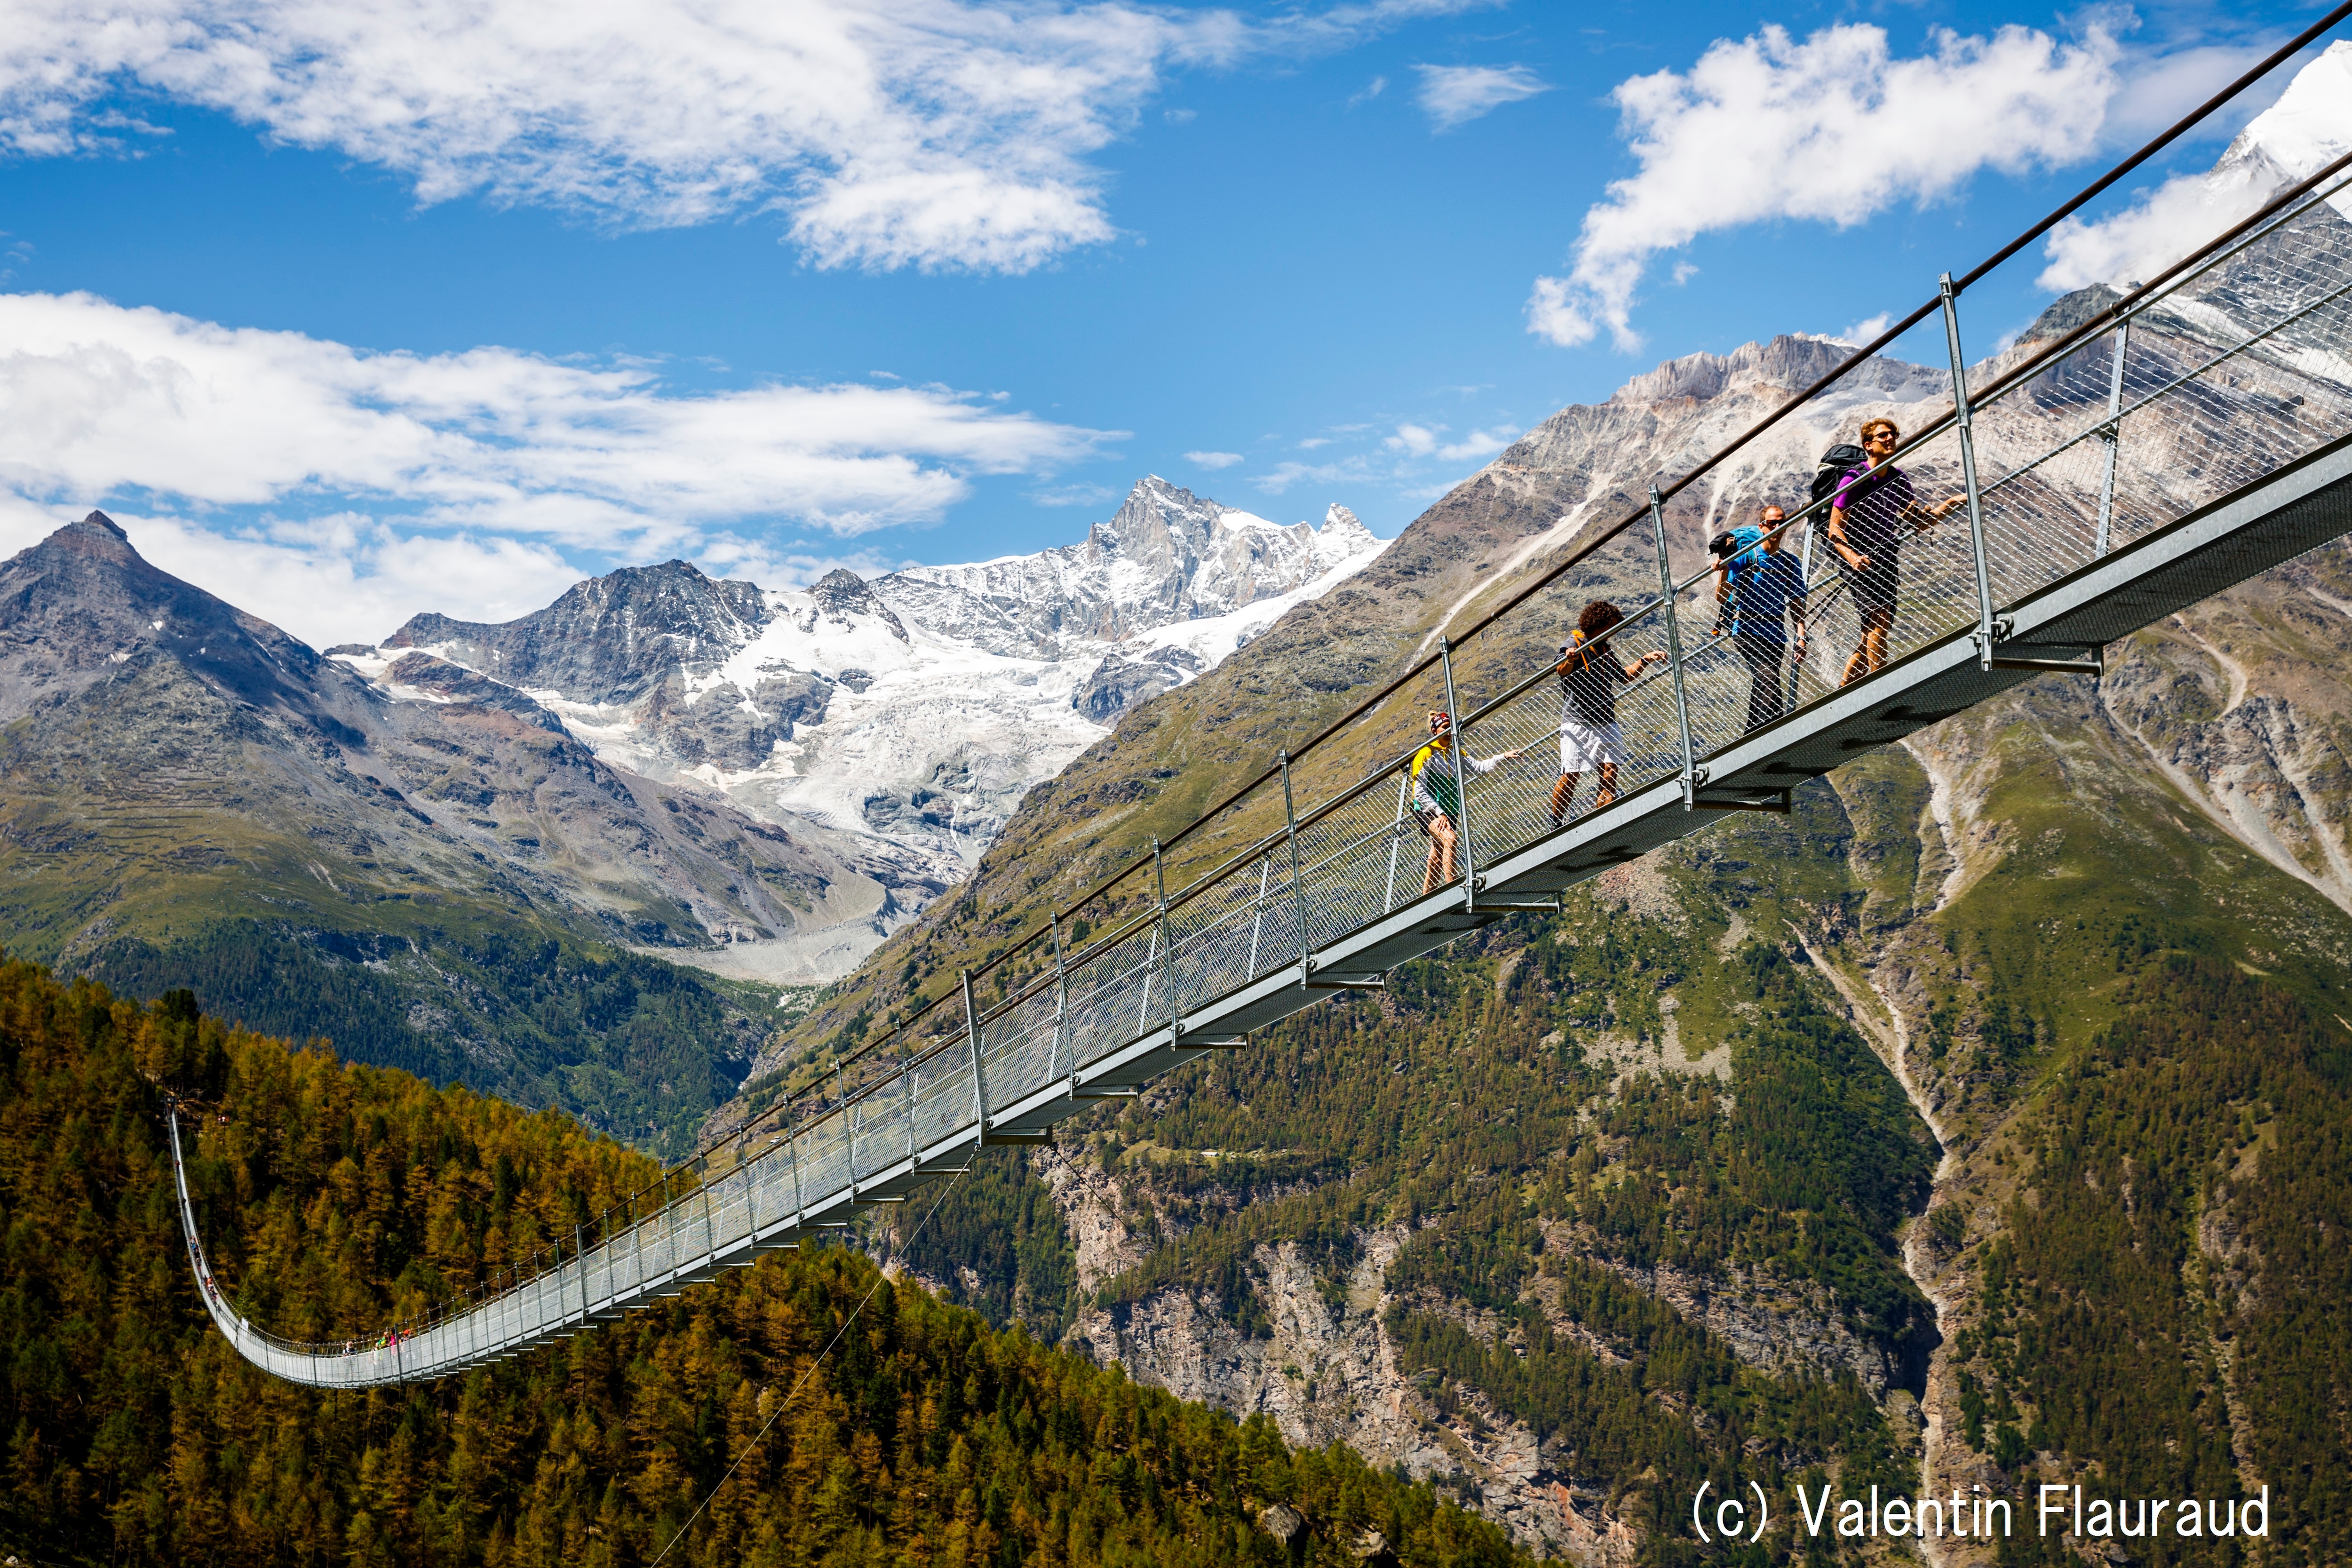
[[897, 722]]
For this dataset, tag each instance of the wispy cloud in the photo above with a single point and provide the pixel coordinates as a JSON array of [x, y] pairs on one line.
[[1283, 475], [1833, 129], [1479, 445], [2309, 127], [928, 133], [1401, 460], [1074, 495], [1866, 329], [1212, 459], [1412, 440], [505, 459], [1455, 95]]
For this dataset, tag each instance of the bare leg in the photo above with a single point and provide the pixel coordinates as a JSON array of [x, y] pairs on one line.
[[1562, 794], [1608, 785], [1870, 657], [1440, 856]]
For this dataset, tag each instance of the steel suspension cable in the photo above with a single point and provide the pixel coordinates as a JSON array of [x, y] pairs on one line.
[[880, 1278]]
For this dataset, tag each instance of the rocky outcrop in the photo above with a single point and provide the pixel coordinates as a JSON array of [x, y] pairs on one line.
[[153, 696]]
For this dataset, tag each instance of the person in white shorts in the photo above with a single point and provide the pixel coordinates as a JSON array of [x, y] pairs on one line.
[[1591, 739]]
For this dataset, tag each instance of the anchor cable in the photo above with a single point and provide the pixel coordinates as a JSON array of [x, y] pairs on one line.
[[785, 1403]]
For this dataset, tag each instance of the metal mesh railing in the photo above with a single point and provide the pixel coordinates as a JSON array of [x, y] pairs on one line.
[[2237, 363]]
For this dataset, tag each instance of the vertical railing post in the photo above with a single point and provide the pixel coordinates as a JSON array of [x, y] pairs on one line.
[[1061, 1001], [1805, 575], [669, 1229], [1674, 648], [637, 1245], [1461, 777], [1396, 840], [2111, 433], [751, 1191], [1298, 886], [848, 1126], [1257, 911], [702, 1187], [1167, 947], [793, 1157], [580, 1252], [1968, 471], [1151, 971], [979, 1082], [906, 1094]]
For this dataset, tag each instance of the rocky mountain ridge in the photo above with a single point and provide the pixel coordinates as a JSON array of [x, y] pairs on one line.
[[423, 869], [898, 722]]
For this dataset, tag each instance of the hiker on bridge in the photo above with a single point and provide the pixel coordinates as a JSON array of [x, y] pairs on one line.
[[1436, 803], [1590, 735], [1867, 524], [1759, 589]]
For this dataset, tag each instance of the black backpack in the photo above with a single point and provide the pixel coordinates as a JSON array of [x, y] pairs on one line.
[[1836, 463]]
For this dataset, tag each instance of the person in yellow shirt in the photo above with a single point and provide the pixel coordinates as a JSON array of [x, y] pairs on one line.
[[1436, 803]]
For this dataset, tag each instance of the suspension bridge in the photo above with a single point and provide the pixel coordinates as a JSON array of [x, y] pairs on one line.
[[2192, 433]]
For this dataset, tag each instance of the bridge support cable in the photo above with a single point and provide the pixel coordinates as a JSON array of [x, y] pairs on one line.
[[1967, 438], [1463, 835], [1673, 649], [2196, 435]]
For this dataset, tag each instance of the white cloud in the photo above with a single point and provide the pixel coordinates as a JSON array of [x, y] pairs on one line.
[[1348, 471], [1455, 95], [892, 132], [316, 478], [1833, 129], [1074, 495], [1479, 445], [343, 577], [1867, 329], [95, 398], [1212, 459], [2309, 127], [2160, 88], [1412, 440]]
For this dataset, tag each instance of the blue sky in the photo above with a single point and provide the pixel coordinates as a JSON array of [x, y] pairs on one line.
[[437, 309]]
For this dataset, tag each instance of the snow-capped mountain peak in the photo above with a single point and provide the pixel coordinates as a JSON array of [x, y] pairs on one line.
[[1166, 556], [899, 720]]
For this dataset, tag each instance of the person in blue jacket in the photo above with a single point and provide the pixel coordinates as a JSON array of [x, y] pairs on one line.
[[1759, 589]]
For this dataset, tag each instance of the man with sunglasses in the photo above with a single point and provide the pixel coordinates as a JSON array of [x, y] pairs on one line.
[[1875, 508], [1436, 803]]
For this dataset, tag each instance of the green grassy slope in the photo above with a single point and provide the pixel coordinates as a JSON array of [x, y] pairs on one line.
[[164, 837]]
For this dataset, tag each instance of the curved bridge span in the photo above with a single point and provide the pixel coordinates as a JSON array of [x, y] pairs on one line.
[[2179, 440]]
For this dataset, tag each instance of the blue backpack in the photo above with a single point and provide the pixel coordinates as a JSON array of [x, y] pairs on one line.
[[1738, 546]]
